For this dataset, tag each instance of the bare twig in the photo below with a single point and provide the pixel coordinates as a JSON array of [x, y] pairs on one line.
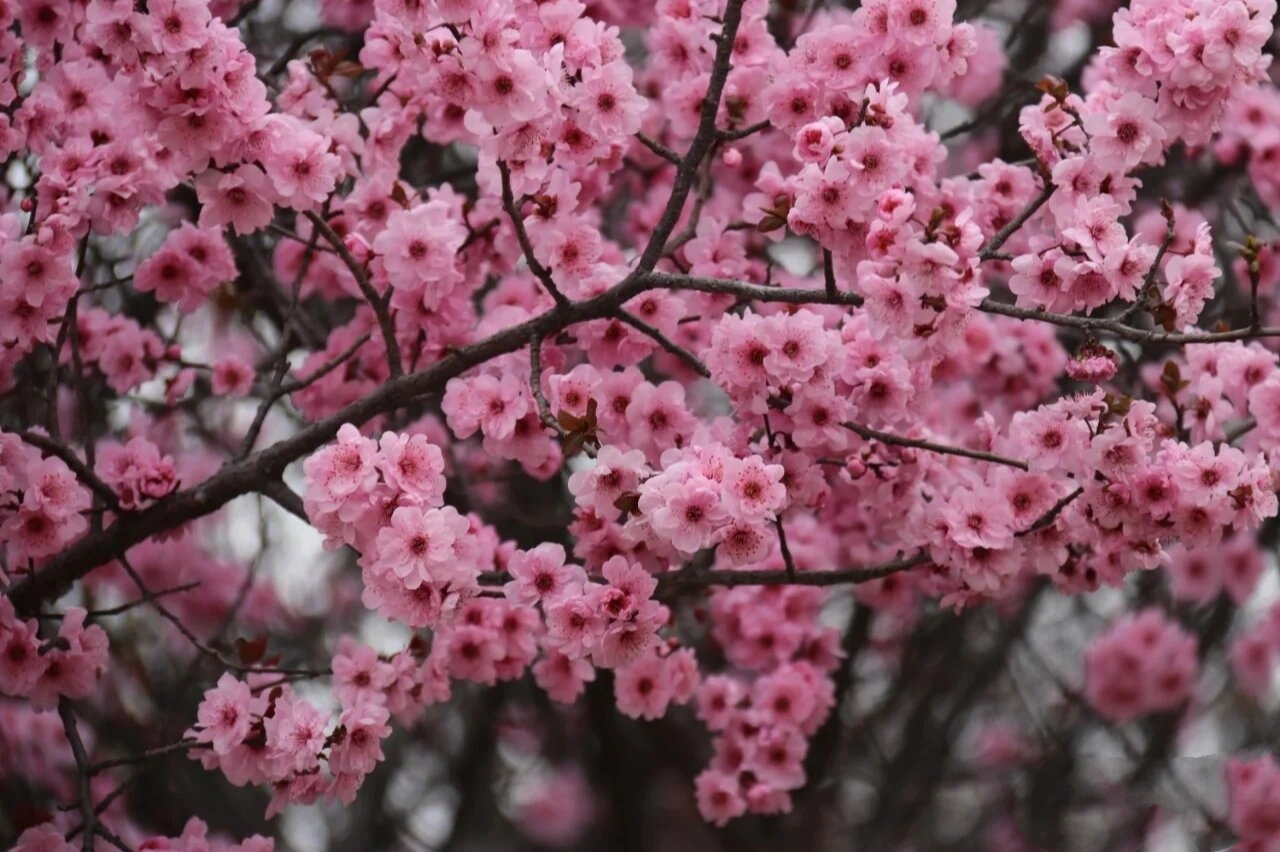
[[522, 236], [149, 754], [665, 342], [703, 139], [82, 768], [195, 642], [852, 576], [125, 607], [282, 349], [742, 132], [787, 559], [829, 275], [376, 302], [535, 386], [929, 446], [988, 251], [1148, 280], [1050, 516], [79, 468], [658, 148]]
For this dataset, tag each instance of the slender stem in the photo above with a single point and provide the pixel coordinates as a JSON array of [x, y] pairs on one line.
[[68, 457], [535, 387], [988, 251], [665, 342], [931, 447], [730, 578], [703, 139], [658, 148], [787, 559], [522, 236], [371, 296], [82, 768], [829, 275]]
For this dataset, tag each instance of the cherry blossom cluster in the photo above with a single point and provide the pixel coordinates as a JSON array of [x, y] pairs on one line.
[[42, 502], [1255, 653], [764, 710], [274, 737], [984, 376], [762, 730], [1254, 788], [1143, 663], [43, 669], [195, 836], [420, 557]]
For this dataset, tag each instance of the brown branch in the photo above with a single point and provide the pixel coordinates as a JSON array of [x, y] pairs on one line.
[[988, 251], [658, 148], [535, 387], [82, 769], [1050, 516], [150, 754], [325, 368], [79, 468], [930, 447], [742, 132], [787, 559], [1136, 335], [522, 236], [283, 496], [829, 275], [747, 291], [1145, 291], [665, 342], [703, 139], [371, 296], [281, 358], [247, 475], [683, 580], [212, 653], [94, 614]]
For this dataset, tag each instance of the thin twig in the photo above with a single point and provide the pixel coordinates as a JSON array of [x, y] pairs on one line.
[[658, 148], [82, 768], [94, 614], [282, 349], [325, 368], [195, 642], [149, 754], [730, 578], [703, 139], [82, 471], [665, 342], [375, 301], [829, 275], [787, 559], [535, 386], [522, 236], [1148, 280], [988, 251], [929, 446], [1051, 515], [743, 132]]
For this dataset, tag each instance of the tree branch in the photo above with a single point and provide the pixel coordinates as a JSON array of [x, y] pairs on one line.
[[929, 446], [522, 236], [683, 580], [703, 139], [83, 770], [371, 296]]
